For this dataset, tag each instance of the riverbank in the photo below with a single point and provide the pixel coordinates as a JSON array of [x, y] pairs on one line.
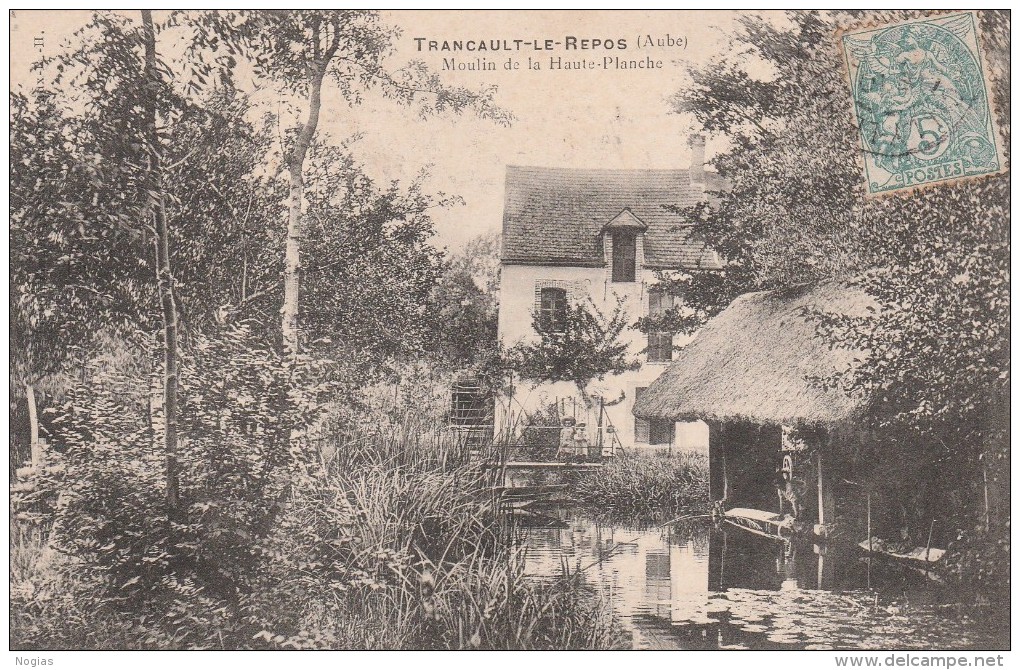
[[397, 542]]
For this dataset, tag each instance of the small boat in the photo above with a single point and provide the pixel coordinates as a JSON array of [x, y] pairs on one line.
[[772, 525], [918, 556], [760, 522]]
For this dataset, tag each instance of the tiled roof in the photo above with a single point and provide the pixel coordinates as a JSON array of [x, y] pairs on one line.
[[555, 216]]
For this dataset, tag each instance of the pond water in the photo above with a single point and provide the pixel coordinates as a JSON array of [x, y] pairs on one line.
[[702, 587]]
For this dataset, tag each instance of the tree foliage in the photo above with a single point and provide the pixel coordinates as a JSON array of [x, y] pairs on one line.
[[301, 51], [936, 260], [144, 187], [84, 274], [83, 260], [583, 348], [795, 212], [465, 305], [369, 266], [103, 486]]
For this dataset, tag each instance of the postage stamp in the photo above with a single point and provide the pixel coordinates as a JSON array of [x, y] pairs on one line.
[[922, 103]]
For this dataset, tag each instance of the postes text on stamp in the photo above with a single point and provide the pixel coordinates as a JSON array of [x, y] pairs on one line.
[[921, 101]]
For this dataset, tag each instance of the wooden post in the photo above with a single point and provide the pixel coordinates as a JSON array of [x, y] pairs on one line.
[[825, 502], [870, 547], [869, 522], [725, 474], [927, 548], [716, 488], [984, 478], [722, 561], [821, 492], [508, 422], [716, 557]]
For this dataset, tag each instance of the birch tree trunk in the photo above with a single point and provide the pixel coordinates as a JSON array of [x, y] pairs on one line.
[[164, 276], [33, 421], [295, 165]]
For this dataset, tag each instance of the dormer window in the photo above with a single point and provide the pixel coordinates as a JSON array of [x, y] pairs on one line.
[[624, 255], [623, 237]]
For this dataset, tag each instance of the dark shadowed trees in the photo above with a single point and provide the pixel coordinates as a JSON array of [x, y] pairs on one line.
[[466, 305], [369, 267], [936, 260]]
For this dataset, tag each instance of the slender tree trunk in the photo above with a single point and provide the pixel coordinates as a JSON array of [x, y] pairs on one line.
[[33, 422], [984, 480], [164, 275], [295, 166]]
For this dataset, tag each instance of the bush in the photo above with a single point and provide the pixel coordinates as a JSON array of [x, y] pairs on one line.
[[979, 560], [399, 544], [190, 568], [540, 438]]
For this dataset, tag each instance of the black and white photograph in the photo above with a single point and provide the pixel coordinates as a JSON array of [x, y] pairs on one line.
[[434, 330]]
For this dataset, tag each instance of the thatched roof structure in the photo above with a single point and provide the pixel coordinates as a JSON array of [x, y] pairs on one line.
[[756, 361]]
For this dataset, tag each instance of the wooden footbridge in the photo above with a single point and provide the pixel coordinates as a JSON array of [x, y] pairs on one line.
[[550, 465]]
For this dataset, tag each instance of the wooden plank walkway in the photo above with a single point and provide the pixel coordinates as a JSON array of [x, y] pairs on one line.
[[531, 491], [550, 465]]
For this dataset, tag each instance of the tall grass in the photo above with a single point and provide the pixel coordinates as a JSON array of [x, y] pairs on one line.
[[49, 608], [437, 568], [397, 541], [645, 488]]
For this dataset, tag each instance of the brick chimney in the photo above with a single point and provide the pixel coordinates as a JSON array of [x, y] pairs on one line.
[[697, 145]]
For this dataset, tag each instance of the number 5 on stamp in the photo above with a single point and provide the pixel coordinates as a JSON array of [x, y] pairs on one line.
[[922, 103]]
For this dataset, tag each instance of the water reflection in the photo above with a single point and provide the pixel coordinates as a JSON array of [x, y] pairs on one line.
[[715, 589]]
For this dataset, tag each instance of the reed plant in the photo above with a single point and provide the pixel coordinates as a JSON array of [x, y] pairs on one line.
[[645, 488], [422, 556]]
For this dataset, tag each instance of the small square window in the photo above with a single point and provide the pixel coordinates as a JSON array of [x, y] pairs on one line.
[[652, 431]]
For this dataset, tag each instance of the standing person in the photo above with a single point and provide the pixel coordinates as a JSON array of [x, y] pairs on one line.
[[581, 441], [566, 443]]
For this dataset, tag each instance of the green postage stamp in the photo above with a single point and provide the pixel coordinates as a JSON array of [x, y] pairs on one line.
[[921, 101]]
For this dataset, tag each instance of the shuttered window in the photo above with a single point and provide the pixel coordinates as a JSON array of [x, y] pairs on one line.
[[661, 431], [660, 344], [660, 347], [641, 428], [624, 256], [552, 310], [652, 431]]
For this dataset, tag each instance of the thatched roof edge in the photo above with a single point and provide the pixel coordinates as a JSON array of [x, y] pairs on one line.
[[755, 361]]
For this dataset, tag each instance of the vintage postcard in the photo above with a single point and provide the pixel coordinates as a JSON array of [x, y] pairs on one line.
[[510, 330]]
